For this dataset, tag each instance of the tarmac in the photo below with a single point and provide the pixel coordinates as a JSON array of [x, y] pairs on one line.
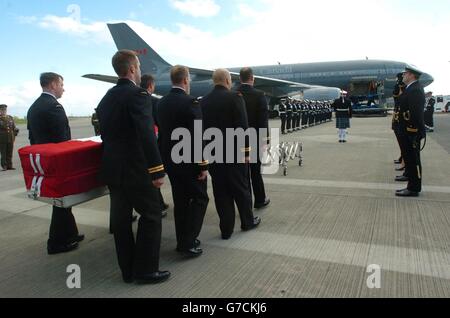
[[334, 229]]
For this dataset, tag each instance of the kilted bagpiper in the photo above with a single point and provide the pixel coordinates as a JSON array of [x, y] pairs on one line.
[[343, 108]]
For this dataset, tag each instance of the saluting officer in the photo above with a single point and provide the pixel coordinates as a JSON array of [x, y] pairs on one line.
[[258, 118], [8, 133], [47, 123], [179, 110], [223, 109], [283, 116], [412, 130], [343, 109], [132, 168]]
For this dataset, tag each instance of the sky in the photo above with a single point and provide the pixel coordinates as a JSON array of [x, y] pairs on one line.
[[71, 38]]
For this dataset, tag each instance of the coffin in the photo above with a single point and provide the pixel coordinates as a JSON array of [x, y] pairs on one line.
[[63, 174]]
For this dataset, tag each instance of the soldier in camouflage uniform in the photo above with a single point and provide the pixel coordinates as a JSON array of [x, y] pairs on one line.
[[8, 133]]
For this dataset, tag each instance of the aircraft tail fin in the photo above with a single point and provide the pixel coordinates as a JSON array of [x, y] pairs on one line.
[[126, 39]]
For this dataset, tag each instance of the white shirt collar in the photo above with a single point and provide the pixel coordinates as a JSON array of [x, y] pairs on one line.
[[178, 87], [47, 93], [410, 84]]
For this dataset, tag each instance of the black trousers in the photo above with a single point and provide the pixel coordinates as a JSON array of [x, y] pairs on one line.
[[190, 200], [257, 182], [412, 162], [231, 185], [299, 119], [6, 153], [140, 257], [63, 228], [283, 123], [304, 119], [294, 120], [428, 118], [289, 121]]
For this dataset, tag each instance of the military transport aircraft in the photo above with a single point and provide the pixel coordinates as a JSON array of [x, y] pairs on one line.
[[315, 81]]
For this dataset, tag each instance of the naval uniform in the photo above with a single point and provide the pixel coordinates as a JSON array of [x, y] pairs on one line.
[[429, 113], [224, 110], [282, 110], [398, 91], [179, 110], [8, 133], [47, 123], [258, 118], [411, 131], [130, 162]]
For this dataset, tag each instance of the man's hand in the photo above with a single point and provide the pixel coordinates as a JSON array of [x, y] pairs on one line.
[[158, 183], [202, 176]]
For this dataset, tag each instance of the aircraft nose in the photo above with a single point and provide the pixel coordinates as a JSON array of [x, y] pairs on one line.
[[426, 79]]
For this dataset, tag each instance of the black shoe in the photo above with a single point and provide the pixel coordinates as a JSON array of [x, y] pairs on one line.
[[400, 169], [401, 179], [77, 239], [406, 193], [397, 162], [165, 207], [262, 205], [163, 214], [192, 252], [344, 141], [340, 141], [256, 222], [52, 250], [226, 236], [11, 168], [153, 278], [197, 243], [127, 279]]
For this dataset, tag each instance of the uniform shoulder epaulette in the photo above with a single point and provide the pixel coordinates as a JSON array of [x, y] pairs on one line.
[[195, 101], [144, 92], [59, 106]]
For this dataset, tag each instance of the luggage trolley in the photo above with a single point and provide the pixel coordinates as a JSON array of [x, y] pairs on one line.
[[285, 152]]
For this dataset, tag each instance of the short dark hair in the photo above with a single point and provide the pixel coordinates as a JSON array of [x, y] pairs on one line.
[[3, 106], [122, 61], [178, 74], [47, 78], [246, 74], [147, 80]]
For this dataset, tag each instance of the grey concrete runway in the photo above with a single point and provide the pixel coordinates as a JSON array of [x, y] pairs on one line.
[[329, 220]]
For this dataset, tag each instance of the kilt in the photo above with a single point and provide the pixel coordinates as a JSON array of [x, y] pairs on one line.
[[342, 123]]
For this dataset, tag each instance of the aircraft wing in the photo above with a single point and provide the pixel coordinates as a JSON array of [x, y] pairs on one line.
[[102, 78]]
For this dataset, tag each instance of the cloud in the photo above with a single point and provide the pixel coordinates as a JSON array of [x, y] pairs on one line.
[[196, 8], [91, 31]]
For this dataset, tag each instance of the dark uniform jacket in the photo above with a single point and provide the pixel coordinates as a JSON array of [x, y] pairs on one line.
[[430, 105], [343, 108], [8, 130], [398, 91], [130, 152], [257, 109], [224, 109], [179, 110], [47, 121], [412, 102]]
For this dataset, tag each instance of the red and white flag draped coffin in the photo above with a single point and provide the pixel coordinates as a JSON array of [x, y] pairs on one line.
[[63, 174]]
